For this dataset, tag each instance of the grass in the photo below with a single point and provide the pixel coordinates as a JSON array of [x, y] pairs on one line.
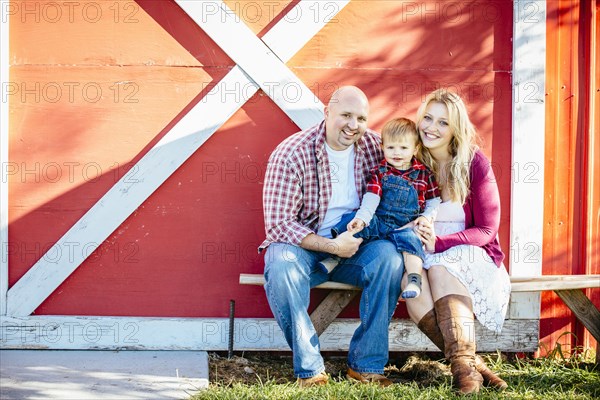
[[554, 377]]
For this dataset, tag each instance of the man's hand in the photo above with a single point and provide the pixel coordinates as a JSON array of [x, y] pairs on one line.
[[346, 245], [356, 225]]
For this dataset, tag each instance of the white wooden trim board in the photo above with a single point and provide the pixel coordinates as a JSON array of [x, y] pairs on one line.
[[528, 131], [212, 334], [4, 80]]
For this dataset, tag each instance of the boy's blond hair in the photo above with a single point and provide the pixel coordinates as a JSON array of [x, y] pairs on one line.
[[399, 128]]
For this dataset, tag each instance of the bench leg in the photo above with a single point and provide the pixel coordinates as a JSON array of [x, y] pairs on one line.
[[585, 311], [330, 308]]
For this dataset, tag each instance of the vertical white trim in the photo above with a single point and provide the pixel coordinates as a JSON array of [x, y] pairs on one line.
[[4, 63], [528, 131]]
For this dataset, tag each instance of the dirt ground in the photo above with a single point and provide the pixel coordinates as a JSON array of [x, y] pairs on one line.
[[253, 367]]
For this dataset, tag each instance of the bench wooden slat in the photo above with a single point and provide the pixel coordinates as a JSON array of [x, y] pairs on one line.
[[519, 284], [547, 278], [259, 279], [535, 286]]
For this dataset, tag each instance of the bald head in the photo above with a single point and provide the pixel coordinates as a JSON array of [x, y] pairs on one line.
[[346, 117], [348, 91]]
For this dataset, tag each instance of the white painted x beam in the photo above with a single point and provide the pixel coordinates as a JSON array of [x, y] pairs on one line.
[[172, 151], [256, 59]]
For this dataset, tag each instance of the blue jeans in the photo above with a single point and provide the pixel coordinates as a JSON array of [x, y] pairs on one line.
[[291, 271]]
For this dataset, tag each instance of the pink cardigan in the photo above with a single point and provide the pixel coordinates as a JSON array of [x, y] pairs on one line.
[[482, 213]]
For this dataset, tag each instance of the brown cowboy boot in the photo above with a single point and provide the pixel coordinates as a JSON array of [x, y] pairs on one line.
[[429, 326], [489, 377], [455, 320]]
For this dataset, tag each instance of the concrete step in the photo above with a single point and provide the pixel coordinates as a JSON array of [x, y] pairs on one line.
[[69, 374]]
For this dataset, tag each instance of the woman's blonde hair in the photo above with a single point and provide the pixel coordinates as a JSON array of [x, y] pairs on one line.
[[462, 146]]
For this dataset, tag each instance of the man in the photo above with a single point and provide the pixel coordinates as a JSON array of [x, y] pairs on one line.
[[313, 178]]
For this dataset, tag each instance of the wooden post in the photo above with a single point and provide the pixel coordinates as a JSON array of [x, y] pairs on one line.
[[585, 311], [330, 307]]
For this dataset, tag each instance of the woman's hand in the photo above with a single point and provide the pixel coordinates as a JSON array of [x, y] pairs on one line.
[[426, 233]]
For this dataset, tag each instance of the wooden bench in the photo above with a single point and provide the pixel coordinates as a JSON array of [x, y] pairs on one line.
[[567, 287]]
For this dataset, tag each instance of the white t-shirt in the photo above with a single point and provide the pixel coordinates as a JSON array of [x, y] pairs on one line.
[[344, 197]]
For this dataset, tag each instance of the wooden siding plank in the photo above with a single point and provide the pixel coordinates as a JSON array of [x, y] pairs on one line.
[[257, 60], [117, 33], [128, 194], [285, 36], [528, 116], [4, 79], [125, 333], [123, 198], [591, 87]]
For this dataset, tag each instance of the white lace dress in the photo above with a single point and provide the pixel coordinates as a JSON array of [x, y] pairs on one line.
[[489, 285]]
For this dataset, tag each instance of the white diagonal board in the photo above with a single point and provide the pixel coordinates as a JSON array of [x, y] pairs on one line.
[[256, 59]]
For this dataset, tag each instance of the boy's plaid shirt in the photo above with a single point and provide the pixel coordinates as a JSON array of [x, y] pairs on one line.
[[297, 185], [425, 183]]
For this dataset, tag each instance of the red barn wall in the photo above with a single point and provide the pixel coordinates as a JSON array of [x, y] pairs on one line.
[[181, 252], [572, 169]]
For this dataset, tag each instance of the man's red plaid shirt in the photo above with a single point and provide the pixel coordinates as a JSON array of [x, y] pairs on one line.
[[297, 185]]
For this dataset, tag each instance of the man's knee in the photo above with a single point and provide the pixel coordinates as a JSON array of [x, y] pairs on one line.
[[387, 261], [389, 257], [284, 259]]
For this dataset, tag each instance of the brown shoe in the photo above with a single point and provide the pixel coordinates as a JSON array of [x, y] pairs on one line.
[[489, 377], [465, 377], [317, 380], [367, 378], [429, 326]]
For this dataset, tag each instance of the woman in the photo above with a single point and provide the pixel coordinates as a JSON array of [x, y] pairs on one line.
[[465, 274]]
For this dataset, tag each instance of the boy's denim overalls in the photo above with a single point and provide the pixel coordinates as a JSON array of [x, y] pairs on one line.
[[399, 205]]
